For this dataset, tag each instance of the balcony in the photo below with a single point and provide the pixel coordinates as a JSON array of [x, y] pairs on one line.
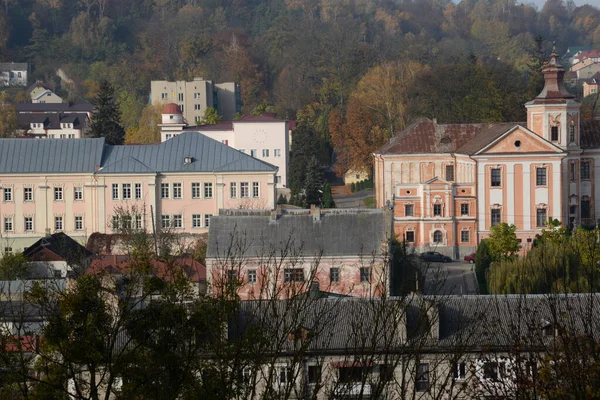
[[352, 389]]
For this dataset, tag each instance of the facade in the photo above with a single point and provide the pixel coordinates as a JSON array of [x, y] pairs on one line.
[[285, 252], [193, 98], [45, 96], [263, 137], [586, 69], [77, 186], [13, 74], [591, 85], [48, 120], [449, 184]]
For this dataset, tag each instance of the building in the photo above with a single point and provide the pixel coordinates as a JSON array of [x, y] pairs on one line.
[[586, 68], [193, 98], [13, 74], [55, 256], [284, 253], [263, 137], [54, 120], [40, 92], [586, 54], [591, 86], [79, 186], [449, 184]]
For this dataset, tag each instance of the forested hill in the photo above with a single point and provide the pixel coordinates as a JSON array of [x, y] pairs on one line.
[[303, 56]]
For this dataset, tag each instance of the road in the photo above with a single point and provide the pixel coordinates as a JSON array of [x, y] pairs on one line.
[[456, 277], [353, 200]]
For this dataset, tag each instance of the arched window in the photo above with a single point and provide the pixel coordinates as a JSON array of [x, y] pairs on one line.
[[437, 237]]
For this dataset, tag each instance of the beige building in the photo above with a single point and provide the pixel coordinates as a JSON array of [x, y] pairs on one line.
[[193, 98]]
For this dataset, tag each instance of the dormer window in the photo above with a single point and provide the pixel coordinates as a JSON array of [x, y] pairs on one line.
[[554, 133]]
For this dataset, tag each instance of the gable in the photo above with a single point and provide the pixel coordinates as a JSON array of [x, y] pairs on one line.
[[437, 181], [520, 140]]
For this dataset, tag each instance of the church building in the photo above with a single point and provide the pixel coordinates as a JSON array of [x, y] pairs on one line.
[[450, 183]]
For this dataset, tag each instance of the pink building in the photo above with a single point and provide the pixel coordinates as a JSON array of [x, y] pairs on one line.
[[76, 186], [450, 184], [284, 253]]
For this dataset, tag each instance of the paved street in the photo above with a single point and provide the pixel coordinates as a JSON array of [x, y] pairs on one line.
[[346, 199], [451, 278]]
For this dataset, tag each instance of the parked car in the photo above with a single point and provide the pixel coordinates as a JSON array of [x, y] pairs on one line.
[[470, 258], [434, 256]]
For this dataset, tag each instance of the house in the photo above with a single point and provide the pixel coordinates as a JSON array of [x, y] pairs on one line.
[[574, 51], [589, 54], [586, 68], [56, 255], [84, 186], [450, 184], [194, 97], [13, 74], [54, 120], [264, 137], [40, 92], [285, 252], [355, 176], [591, 86]]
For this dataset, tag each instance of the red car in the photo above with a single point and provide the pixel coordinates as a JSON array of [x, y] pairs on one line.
[[470, 258]]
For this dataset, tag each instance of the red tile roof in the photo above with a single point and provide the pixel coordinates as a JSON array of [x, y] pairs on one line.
[[264, 117], [115, 264]]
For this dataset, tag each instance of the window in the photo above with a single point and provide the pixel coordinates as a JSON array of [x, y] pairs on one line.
[[585, 209], [277, 153], [460, 371], [8, 224], [232, 276], [164, 96], [449, 172], [554, 133], [541, 217], [165, 221], [278, 179], [255, 191], [314, 374], [233, 190], [494, 371], [572, 172], [251, 276], [207, 220], [585, 170], [410, 236], [126, 190], [8, 250], [496, 177], [438, 237], [293, 275], [496, 218], [408, 210], [334, 274], [138, 191], [164, 190], [177, 221], [464, 236], [196, 221], [540, 176], [464, 209], [177, 191], [197, 96], [253, 152], [77, 193], [422, 379], [285, 375], [244, 189], [265, 152], [437, 210], [58, 223], [8, 194], [571, 133], [208, 190], [138, 222], [351, 374], [28, 224], [196, 119], [180, 96], [197, 107], [195, 190], [115, 191], [58, 193], [27, 194], [365, 274], [572, 210], [78, 223]]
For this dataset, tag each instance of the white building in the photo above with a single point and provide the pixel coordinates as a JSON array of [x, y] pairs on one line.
[[13, 74]]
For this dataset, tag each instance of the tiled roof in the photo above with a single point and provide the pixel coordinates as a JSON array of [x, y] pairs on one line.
[[426, 136], [341, 233], [118, 264], [485, 138], [60, 244], [266, 117]]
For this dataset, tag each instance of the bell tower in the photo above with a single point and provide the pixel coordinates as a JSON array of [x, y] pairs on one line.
[[554, 113]]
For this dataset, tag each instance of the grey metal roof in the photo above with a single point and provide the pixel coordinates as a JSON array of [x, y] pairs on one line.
[[208, 155], [54, 107], [50, 156], [337, 233]]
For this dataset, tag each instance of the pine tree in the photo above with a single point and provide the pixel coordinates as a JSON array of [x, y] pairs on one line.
[[313, 184], [327, 196], [304, 146], [106, 119]]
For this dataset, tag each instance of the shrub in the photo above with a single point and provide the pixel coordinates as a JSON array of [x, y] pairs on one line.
[[353, 187]]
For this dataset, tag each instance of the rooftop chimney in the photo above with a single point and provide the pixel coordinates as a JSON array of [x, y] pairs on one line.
[[315, 212]]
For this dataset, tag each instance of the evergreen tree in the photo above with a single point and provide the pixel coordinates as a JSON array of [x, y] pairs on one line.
[[106, 119], [304, 147], [211, 117], [313, 184], [327, 196], [537, 58]]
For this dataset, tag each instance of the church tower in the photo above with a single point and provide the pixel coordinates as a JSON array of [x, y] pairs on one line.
[[554, 113]]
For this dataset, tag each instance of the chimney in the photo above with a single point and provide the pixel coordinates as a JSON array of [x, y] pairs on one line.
[[314, 290], [274, 216], [315, 212]]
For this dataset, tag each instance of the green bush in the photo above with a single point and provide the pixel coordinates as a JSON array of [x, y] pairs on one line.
[[353, 187]]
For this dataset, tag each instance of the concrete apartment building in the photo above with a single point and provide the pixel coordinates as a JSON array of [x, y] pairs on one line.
[[194, 97], [450, 183]]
